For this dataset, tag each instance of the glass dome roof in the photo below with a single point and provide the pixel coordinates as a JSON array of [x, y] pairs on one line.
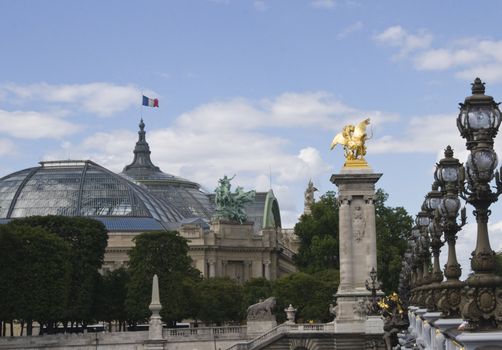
[[78, 188], [185, 195]]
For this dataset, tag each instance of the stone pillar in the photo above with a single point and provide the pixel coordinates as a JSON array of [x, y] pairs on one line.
[[155, 340], [345, 243], [356, 190], [248, 270], [371, 230], [267, 269], [212, 268]]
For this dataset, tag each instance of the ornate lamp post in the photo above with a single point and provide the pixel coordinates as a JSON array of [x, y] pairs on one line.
[[417, 266], [449, 175], [373, 287], [431, 203], [406, 277], [478, 122], [424, 255]]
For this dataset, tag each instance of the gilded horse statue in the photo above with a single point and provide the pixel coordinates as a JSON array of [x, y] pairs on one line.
[[353, 139]]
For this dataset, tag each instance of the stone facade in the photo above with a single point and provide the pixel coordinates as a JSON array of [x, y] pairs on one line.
[[223, 249]]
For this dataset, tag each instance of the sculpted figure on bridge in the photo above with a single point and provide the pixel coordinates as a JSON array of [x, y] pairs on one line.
[[353, 139], [262, 310]]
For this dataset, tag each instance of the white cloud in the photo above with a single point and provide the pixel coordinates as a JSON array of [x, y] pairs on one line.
[[398, 37], [467, 57], [102, 99], [422, 134], [35, 125], [354, 27], [289, 110]]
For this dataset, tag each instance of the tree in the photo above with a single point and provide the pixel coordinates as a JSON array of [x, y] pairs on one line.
[[318, 233], [111, 298], [219, 299], [87, 239], [393, 226], [254, 290], [34, 275], [164, 254], [310, 294]]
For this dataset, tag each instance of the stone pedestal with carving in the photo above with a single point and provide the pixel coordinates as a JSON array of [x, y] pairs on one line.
[[356, 191], [260, 318]]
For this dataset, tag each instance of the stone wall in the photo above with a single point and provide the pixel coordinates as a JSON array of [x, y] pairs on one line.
[[219, 338]]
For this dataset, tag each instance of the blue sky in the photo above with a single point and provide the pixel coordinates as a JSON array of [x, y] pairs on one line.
[[247, 86]]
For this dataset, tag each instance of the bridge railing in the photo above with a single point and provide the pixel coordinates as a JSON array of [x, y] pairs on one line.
[[285, 328], [205, 333]]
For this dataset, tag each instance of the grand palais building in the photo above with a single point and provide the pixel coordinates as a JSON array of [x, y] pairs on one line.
[[143, 198]]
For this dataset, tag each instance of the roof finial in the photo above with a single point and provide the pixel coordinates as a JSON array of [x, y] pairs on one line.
[[141, 152], [478, 87], [448, 152]]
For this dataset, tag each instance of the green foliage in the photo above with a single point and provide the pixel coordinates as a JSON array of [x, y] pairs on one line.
[[164, 254], [220, 300], [393, 225], [34, 274], [254, 290], [318, 235], [87, 239], [310, 294], [112, 292]]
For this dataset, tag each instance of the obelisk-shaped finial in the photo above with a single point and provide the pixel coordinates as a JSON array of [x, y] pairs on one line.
[[155, 305], [155, 329]]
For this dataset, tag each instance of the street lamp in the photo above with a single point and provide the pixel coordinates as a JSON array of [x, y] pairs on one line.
[[417, 266], [478, 122], [373, 287], [449, 174], [424, 255], [430, 206]]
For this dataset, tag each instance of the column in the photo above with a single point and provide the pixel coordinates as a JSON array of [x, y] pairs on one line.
[[346, 273], [212, 268], [266, 263], [371, 232]]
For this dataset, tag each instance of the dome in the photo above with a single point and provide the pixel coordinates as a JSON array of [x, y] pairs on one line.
[[185, 195], [78, 188]]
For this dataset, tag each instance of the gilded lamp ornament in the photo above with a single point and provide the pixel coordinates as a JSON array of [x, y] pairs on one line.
[[353, 139]]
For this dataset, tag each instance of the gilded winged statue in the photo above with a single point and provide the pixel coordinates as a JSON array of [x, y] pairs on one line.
[[353, 139]]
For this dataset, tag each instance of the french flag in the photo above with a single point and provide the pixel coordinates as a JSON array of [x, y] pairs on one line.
[[150, 102]]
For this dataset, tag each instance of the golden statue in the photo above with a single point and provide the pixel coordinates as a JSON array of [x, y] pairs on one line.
[[353, 139]]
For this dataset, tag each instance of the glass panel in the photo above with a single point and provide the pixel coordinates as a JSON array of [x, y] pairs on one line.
[[49, 191], [481, 117], [8, 189], [449, 174]]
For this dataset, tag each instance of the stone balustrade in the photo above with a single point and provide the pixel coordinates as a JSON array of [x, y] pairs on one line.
[[431, 332], [205, 333]]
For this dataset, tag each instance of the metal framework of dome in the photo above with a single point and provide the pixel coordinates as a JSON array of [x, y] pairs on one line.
[[78, 188], [185, 195]]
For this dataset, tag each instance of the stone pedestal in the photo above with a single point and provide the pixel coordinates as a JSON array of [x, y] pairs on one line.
[[356, 191]]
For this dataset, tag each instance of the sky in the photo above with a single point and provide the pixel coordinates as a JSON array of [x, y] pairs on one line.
[[255, 89]]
